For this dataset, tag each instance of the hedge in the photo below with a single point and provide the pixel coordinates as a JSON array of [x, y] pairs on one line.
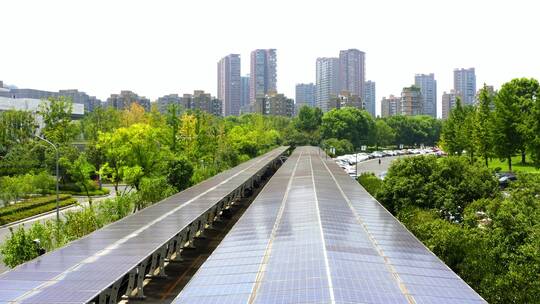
[[30, 204], [370, 182], [103, 191], [42, 205]]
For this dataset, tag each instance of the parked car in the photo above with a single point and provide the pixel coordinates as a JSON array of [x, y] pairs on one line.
[[505, 178]]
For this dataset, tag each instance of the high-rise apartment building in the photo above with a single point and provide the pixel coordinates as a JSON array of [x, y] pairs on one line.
[[327, 83], [273, 104], [244, 91], [390, 106], [448, 103], [428, 89], [346, 99], [352, 70], [411, 101], [229, 84], [263, 73], [163, 102], [465, 85], [305, 95], [369, 97], [124, 100], [202, 101]]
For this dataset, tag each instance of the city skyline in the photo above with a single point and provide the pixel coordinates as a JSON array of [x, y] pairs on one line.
[[84, 62]]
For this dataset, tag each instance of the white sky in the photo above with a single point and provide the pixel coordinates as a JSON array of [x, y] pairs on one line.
[[160, 47]]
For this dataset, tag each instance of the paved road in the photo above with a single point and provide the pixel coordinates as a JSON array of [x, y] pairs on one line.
[[4, 232], [373, 165]]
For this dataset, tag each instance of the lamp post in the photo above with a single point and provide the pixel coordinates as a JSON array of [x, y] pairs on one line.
[[57, 178]]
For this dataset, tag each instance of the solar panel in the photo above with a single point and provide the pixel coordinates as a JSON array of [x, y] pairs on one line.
[[314, 235], [88, 267]]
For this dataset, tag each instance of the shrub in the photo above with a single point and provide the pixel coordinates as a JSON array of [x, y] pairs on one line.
[[370, 182], [42, 182], [18, 248], [180, 173], [153, 190], [12, 188], [342, 146], [446, 184]]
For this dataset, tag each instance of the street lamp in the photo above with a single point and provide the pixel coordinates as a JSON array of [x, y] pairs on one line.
[[57, 177]]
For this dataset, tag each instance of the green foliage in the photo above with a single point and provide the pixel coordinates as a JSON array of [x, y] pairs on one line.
[[18, 248], [56, 113], [483, 125], [384, 134], [495, 247], [179, 174], [153, 190], [458, 131], [348, 123], [43, 182], [447, 185], [16, 127], [514, 120], [112, 210], [370, 182], [81, 171], [414, 130], [13, 188], [342, 146], [309, 119]]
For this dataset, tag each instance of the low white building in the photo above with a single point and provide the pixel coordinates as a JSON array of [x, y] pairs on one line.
[[32, 105]]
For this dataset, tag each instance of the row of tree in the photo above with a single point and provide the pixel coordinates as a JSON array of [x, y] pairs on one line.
[[489, 237], [502, 124], [128, 146], [350, 128]]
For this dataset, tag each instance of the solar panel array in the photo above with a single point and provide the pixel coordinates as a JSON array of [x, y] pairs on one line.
[[85, 268], [314, 235]]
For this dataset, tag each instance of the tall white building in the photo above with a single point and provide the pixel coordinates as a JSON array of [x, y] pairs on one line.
[[428, 89], [327, 84], [369, 97], [465, 85], [263, 73], [352, 71], [229, 86]]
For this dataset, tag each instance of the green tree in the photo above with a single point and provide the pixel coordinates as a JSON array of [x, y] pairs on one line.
[[384, 133], [447, 185], [348, 123], [43, 182], [309, 119], [13, 188], [457, 131], [342, 146], [173, 121], [16, 127], [81, 172], [483, 127], [56, 113], [135, 152], [179, 173]]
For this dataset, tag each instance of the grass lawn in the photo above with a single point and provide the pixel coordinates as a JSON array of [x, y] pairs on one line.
[[517, 166]]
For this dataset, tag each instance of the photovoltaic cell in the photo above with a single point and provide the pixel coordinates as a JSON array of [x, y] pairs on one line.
[[81, 270], [314, 235]]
